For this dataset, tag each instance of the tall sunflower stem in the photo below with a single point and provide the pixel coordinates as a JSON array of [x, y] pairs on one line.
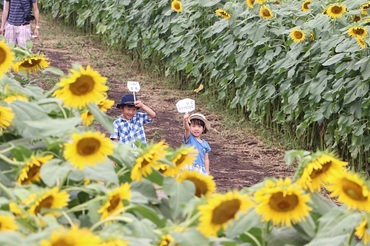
[[255, 240], [63, 180], [68, 218], [9, 161], [7, 191]]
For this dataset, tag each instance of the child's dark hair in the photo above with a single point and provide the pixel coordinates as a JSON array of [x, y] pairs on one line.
[[199, 123]]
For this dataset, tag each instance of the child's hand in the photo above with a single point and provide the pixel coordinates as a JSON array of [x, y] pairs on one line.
[[138, 104], [186, 116]]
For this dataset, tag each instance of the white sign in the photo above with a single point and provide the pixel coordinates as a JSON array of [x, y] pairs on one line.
[[185, 105], [133, 86]]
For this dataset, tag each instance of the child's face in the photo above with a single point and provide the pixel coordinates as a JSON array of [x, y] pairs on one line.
[[128, 112], [196, 129]]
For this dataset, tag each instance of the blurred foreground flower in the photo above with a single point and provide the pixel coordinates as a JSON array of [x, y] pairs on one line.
[[72, 237], [114, 204]]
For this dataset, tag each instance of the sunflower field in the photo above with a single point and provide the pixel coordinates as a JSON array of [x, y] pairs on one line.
[[62, 182], [299, 68]]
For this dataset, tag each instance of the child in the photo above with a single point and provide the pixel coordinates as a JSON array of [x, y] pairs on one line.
[[129, 127], [195, 126]]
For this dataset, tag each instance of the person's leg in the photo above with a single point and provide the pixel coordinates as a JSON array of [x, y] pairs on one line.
[[23, 34], [10, 34]]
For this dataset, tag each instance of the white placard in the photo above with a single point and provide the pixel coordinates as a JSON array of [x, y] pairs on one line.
[[185, 105], [133, 86]]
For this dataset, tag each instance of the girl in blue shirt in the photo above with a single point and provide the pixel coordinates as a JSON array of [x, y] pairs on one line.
[[195, 125]]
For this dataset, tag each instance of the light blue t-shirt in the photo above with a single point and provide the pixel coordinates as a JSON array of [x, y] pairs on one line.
[[203, 148]]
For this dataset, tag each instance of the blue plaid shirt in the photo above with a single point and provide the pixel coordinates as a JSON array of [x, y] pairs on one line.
[[128, 131]]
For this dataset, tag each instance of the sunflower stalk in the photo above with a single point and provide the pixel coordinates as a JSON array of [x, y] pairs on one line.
[[82, 206], [9, 161], [7, 191]]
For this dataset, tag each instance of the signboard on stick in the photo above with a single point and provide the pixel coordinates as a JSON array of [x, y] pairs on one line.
[[185, 105], [133, 86]]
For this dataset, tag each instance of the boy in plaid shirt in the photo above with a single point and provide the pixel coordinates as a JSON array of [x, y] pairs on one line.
[[129, 127]]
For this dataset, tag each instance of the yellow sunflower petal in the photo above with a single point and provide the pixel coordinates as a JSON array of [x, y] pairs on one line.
[[31, 64], [6, 117], [265, 12], [336, 11], [31, 171], [114, 205], [7, 223], [223, 13], [72, 237], [51, 199]]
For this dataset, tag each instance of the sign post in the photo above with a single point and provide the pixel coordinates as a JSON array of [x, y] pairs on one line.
[[185, 105], [133, 86]]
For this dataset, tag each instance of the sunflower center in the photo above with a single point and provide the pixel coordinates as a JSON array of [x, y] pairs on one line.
[[114, 201], [33, 63], [88, 146], [63, 242], [45, 203], [323, 169], [83, 85], [180, 160], [337, 10], [281, 203], [353, 190], [177, 6], [266, 13], [225, 211], [298, 35], [359, 31], [305, 5], [200, 187], [2, 56], [33, 171]]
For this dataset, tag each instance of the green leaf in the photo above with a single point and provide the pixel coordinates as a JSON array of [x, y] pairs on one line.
[[52, 172], [102, 171], [102, 118], [148, 213], [335, 59], [244, 224]]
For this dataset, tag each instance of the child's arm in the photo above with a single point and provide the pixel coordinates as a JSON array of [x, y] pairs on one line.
[[145, 108], [186, 125], [206, 162]]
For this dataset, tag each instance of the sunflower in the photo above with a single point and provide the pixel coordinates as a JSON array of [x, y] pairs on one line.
[[222, 13], [88, 149], [6, 116], [7, 223], [336, 10], [364, 8], [176, 6], [6, 57], [265, 12], [317, 171], [51, 199], [305, 5], [204, 184], [361, 42], [297, 35], [31, 171], [167, 240], [148, 159], [282, 202], [181, 157], [114, 204], [72, 237], [261, 1], [88, 118], [114, 242], [250, 3], [361, 231], [351, 190], [82, 87], [356, 18], [12, 98], [357, 31], [105, 104], [31, 64], [220, 211]]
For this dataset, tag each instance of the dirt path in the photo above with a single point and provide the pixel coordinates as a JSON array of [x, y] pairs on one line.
[[238, 159]]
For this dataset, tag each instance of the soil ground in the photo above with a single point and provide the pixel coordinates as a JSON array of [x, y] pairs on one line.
[[238, 158]]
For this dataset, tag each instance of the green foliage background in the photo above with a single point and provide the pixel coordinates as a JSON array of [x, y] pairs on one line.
[[316, 91]]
